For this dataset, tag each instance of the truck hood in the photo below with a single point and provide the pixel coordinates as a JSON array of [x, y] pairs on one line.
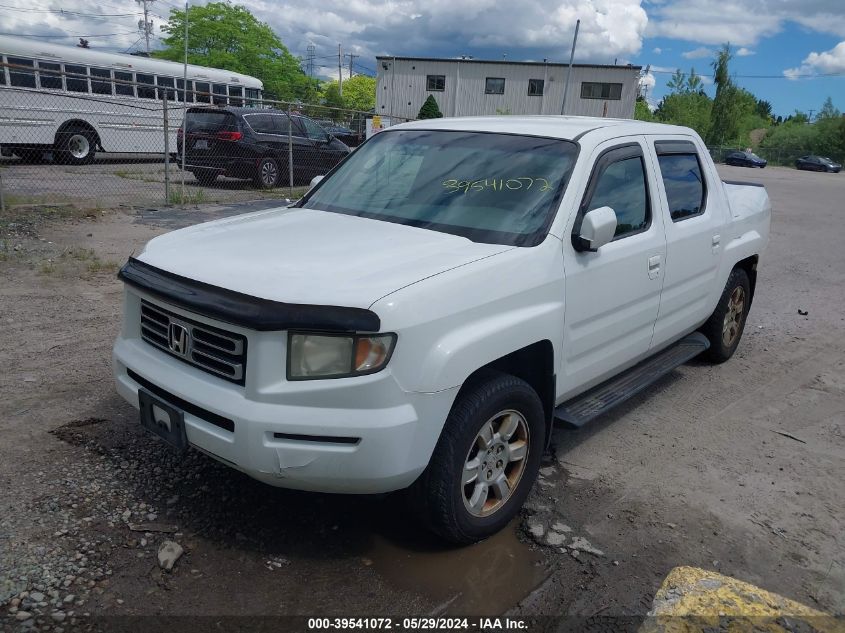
[[311, 257]]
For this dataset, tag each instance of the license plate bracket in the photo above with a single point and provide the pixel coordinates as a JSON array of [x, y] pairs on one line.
[[201, 144], [163, 420]]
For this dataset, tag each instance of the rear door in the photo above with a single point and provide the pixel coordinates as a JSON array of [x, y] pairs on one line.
[[695, 214], [612, 295]]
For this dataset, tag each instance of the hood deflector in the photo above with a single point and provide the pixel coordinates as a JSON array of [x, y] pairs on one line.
[[241, 309]]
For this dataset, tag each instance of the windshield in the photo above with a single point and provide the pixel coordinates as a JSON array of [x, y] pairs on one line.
[[493, 188]]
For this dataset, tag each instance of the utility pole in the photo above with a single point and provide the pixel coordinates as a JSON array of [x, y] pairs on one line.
[[351, 59], [339, 70], [569, 71], [145, 26], [311, 51]]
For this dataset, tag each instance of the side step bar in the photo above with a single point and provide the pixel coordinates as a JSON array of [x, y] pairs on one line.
[[584, 408]]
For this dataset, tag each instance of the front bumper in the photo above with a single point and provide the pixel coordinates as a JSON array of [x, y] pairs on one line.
[[394, 431]]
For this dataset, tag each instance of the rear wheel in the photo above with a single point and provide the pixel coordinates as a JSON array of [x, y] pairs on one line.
[[724, 327], [267, 175], [485, 461], [75, 147]]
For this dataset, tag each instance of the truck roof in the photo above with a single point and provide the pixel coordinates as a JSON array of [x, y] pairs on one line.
[[563, 127]]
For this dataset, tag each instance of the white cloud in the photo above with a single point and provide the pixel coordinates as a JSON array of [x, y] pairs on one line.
[[698, 53], [745, 52], [657, 50], [828, 62], [741, 23]]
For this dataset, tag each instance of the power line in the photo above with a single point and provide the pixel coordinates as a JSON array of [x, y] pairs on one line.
[[802, 76], [67, 12], [69, 36]]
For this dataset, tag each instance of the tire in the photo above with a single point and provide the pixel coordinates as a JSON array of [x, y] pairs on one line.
[[75, 147], [267, 175], [724, 327], [457, 512], [206, 177]]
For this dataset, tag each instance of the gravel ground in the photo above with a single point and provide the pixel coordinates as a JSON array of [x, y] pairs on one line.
[[736, 468]]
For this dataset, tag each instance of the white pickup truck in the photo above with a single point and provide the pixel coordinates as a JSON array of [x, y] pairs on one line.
[[426, 313]]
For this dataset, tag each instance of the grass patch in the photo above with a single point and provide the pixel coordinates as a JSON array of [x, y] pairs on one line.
[[82, 262], [195, 196]]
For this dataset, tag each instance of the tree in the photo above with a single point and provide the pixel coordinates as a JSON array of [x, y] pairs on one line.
[[641, 110], [223, 35], [359, 93], [690, 109], [829, 111], [681, 83], [764, 109], [730, 104], [430, 109]]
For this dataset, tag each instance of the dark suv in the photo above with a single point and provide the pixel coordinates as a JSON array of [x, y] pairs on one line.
[[256, 144]]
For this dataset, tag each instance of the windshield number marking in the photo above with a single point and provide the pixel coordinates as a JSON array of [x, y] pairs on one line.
[[454, 185]]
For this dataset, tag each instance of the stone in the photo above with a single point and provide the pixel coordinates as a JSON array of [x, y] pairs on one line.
[[36, 596], [168, 553], [580, 544], [20, 616]]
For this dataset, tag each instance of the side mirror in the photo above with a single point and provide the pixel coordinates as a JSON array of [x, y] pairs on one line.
[[597, 229], [315, 181]]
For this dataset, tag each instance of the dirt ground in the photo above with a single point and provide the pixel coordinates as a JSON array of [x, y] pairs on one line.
[[737, 468]]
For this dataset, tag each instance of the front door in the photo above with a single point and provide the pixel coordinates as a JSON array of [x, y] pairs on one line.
[[613, 295]]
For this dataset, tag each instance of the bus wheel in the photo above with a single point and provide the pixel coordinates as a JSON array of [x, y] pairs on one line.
[[76, 147]]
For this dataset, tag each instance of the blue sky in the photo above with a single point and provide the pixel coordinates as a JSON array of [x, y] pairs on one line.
[[775, 38]]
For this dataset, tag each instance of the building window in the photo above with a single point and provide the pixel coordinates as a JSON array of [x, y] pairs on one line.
[[535, 87], [494, 86], [435, 83], [595, 90]]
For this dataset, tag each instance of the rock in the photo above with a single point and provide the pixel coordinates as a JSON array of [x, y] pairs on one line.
[[555, 538], [36, 596], [671, 525], [536, 529], [168, 553], [58, 616], [69, 598], [561, 527], [152, 516], [580, 544], [20, 616]]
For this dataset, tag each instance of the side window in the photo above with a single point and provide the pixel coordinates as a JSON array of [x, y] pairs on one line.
[[313, 130], [180, 87], [682, 179], [50, 75], [143, 91], [281, 124], [76, 78], [21, 72], [101, 85], [166, 85], [123, 84], [219, 91], [621, 185], [261, 123], [235, 96], [202, 89]]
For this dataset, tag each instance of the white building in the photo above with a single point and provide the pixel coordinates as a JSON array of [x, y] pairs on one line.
[[473, 87]]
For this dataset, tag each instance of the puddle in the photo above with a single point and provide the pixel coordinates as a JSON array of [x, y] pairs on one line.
[[487, 578]]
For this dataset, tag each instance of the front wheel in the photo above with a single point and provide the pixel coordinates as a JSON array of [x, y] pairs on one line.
[[485, 461], [724, 327]]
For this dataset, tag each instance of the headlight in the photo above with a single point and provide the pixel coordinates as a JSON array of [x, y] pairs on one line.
[[337, 355]]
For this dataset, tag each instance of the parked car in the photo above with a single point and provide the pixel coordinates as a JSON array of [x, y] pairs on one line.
[[425, 313], [344, 134], [254, 144], [817, 163], [745, 159]]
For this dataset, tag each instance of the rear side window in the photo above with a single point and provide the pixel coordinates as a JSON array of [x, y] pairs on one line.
[[21, 72], [621, 185], [682, 178], [281, 124], [209, 121], [261, 123], [76, 78]]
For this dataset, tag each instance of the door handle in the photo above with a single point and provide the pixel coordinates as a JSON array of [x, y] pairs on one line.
[[654, 266], [716, 243]]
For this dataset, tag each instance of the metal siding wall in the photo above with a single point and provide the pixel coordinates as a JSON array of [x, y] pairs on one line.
[[465, 82]]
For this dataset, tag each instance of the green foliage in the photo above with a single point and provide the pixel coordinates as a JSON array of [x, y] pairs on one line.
[[359, 93], [690, 109], [222, 35], [797, 137], [681, 83], [764, 109], [829, 111], [642, 112], [430, 109]]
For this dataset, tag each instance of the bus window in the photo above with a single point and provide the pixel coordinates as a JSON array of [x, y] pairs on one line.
[[19, 73], [252, 97], [180, 87], [202, 90], [120, 88], [74, 79], [143, 91], [235, 96], [101, 86], [219, 89], [50, 75], [167, 82]]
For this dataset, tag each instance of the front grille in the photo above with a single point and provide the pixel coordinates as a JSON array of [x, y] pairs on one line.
[[213, 350]]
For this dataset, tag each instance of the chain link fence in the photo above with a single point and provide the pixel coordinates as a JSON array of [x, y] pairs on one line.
[[103, 142]]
